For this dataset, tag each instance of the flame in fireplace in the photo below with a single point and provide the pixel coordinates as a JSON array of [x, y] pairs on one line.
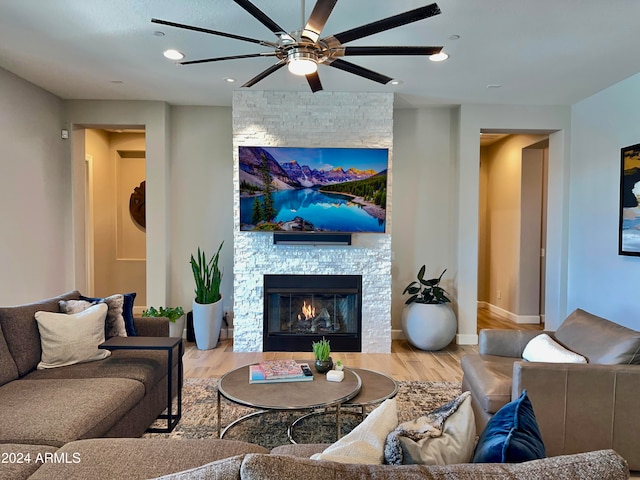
[[308, 311]]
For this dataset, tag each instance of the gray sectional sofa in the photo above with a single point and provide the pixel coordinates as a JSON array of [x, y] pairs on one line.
[[119, 396], [579, 406], [137, 459]]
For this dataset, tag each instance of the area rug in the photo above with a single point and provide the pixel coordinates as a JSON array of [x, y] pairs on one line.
[[200, 419]]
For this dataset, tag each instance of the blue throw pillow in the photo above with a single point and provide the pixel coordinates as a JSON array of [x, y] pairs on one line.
[[511, 436], [127, 311]]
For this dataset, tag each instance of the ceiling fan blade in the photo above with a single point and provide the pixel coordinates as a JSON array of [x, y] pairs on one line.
[[387, 23], [318, 19], [362, 51], [358, 70], [214, 32], [231, 57], [265, 73], [262, 17], [314, 82]]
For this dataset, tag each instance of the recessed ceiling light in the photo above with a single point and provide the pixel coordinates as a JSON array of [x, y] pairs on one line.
[[173, 54], [454, 37], [494, 85], [229, 80], [438, 57], [158, 33], [396, 82]]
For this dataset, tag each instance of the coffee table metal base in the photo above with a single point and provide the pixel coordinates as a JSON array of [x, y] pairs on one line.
[[376, 388], [288, 396]]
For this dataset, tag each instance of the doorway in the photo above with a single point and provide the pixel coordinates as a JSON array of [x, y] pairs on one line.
[[115, 228], [512, 225]]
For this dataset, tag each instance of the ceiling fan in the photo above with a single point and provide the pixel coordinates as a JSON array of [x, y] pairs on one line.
[[302, 51]]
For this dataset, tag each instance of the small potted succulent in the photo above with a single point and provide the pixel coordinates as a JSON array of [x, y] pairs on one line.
[[175, 316], [322, 352]]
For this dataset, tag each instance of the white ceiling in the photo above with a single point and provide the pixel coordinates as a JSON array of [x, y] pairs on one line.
[[541, 52]]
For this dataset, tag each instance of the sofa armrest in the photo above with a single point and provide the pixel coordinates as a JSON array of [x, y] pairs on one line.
[[505, 343], [151, 326], [583, 407]]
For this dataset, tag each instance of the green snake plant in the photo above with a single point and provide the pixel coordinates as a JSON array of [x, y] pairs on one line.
[[207, 276]]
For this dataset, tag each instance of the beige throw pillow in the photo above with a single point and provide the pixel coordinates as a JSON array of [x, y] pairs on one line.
[[422, 442], [365, 443], [69, 339]]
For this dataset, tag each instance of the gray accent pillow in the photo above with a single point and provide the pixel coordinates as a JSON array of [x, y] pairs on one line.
[[225, 469], [445, 436], [114, 325]]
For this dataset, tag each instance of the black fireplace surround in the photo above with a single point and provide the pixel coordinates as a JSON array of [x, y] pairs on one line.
[[301, 309]]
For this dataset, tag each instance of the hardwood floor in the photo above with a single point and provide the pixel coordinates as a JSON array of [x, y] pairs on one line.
[[403, 363]]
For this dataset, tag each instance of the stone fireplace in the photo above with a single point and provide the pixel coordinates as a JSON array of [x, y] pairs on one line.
[[300, 119], [301, 309]]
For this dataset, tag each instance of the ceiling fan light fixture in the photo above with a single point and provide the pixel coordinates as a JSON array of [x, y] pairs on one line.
[[300, 62]]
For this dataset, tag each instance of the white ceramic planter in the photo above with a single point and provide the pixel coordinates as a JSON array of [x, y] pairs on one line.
[[429, 327], [207, 320], [176, 328]]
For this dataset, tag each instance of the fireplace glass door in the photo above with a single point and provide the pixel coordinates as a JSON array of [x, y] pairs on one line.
[[300, 309]]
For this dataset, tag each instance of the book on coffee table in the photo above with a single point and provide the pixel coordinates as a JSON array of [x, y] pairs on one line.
[[274, 371]]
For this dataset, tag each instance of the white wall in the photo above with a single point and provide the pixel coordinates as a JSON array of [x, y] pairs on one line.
[[601, 281], [35, 183], [202, 196], [424, 178]]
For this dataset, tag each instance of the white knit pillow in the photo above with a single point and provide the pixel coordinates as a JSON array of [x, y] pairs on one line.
[[365, 443], [543, 348], [69, 339]]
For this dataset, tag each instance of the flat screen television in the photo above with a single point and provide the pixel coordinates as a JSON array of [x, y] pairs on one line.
[[285, 189]]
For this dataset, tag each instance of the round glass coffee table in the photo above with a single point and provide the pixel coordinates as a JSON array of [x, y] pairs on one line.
[[310, 395]]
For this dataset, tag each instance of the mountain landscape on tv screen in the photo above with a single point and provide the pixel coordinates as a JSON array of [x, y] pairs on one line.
[[296, 189]]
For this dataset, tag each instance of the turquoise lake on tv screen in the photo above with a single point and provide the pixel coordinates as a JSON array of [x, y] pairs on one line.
[[326, 211]]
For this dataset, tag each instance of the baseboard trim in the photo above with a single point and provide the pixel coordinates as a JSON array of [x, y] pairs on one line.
[[515, 318], [466, 339]]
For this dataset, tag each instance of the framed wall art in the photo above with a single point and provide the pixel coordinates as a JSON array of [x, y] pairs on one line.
[[629, 231]]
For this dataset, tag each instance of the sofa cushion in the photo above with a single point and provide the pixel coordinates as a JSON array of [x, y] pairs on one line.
[[70, 339], [599, 465], [19, 461], [365, 443], [512, 435], [444, 436], [142, 458], [54, 412], [543, 348], [127, 311], [146, 366], [21, 331], [8, 368], [489, 378], [598, 339]]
